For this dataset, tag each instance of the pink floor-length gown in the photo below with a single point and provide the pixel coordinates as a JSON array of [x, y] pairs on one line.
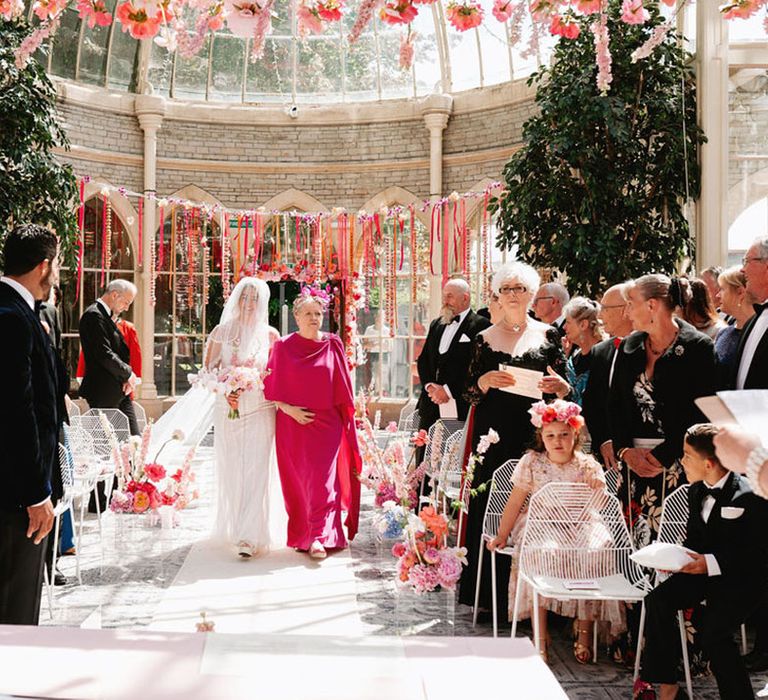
[[318, 462]]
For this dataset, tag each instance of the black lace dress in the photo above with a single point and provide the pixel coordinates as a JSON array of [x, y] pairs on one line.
[[508, 415]]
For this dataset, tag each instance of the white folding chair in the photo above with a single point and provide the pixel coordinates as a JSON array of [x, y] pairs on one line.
[[498, 495], [574, 533], [141, 416], [673, 528]]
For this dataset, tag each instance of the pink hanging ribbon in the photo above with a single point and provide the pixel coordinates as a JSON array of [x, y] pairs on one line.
[[103, 238], [141, 228], [80, 236]]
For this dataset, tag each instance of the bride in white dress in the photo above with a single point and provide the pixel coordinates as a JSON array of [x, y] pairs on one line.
[[247, 478]]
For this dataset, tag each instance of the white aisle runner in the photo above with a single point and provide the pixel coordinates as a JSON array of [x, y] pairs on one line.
[[282, 592]]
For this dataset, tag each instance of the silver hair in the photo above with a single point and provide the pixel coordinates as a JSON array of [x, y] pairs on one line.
[[121, 287], [459, 283], [583, 309], [518, 271], [556, 290], [762, 246], [304, 299]]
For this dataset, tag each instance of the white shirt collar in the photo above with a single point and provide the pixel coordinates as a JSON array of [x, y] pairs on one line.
[[105, 307], [719, 484], [462, 315], [26, 295]]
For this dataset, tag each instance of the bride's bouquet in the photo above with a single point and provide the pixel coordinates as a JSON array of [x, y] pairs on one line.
[[230, 382]]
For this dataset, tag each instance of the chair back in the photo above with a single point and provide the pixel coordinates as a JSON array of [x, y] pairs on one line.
[[409, 423], [451, 466], [673, 524], [612, 481], [439, 432], [405, 411], [573, 532], [498, 495], [116, 418], [67, 467], [99, 433], [141, 416]]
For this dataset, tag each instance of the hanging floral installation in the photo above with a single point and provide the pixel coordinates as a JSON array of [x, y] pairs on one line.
[[184, 24], [349, 251]]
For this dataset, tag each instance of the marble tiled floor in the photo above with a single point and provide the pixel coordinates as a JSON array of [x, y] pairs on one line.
[[124, 584]]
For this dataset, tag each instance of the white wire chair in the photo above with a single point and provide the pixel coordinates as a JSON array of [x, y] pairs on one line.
[[612, 480], [572, 534], [141, 416], [673, 528], [410, 423], [117, 419], [408, 409], [450, 475], [86, 471], [498, 495], [439, 432]]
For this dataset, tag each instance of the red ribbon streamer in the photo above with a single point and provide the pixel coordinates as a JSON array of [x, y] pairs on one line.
[[80, 235], [161, 241], [103, 237], [141, 228]]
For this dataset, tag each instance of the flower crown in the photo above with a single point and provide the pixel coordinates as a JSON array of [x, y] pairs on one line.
[[310, 293], [558, 411]]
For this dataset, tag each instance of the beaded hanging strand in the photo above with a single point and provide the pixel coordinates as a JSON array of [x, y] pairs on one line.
[[108, 239]]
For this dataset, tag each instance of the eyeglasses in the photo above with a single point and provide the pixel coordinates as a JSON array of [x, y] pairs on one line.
[[747, 259], [517, 290], [538, 299]]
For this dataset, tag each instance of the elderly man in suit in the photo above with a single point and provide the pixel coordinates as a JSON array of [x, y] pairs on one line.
[[444, 360], [109, 379], [548, 305], [726, 529], [29, 421]]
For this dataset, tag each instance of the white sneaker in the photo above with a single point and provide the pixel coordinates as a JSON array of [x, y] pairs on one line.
[[317, 551]]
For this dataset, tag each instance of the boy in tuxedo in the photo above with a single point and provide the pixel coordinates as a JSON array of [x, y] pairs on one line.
[[726, 528]]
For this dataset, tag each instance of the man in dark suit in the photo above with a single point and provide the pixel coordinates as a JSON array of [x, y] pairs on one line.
[[108, 379], [444, 360], [548, 305], [28, 421], [726, 528], [751, 372], [595, 397]]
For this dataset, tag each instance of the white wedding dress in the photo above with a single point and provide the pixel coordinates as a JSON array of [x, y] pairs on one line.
[[250, 510]]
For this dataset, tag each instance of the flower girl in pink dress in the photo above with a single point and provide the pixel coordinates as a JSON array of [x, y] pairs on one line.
[[556, 457]]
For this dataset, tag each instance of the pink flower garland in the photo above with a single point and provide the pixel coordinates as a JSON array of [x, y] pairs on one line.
[[10, 9], [364, 16], [656, 38], [603, 53], [263, 27], [33, 41], [406, 50]]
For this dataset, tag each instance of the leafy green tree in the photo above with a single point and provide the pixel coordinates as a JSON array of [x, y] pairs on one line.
[[598, 189], [35, 187]]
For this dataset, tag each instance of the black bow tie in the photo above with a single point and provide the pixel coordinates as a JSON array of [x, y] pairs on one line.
[[759, 308], [715, 493], [38, 306], [456, 319]]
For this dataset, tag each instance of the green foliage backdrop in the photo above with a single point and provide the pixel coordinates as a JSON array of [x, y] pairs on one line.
[[598, 189], [34, 186]]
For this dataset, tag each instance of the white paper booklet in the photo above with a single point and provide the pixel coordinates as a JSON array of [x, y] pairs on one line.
[[526, 381]]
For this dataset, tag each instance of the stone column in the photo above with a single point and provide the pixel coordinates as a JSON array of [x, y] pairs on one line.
[[436, 109], [150, 111], [712, 97]]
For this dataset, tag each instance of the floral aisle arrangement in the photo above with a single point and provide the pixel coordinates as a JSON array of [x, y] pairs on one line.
[[147, 486], [476, 458], [424, 561], [230, 382]]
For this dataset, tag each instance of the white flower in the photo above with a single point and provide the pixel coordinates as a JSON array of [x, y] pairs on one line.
[[679, 350], [178, 434]]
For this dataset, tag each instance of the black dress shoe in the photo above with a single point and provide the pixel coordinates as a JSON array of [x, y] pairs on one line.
[[756, 661], [59, 579]]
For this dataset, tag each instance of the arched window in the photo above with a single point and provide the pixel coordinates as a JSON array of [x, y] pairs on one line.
[[103, 230]]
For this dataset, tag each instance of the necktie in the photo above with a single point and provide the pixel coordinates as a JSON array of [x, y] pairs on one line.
[[38, 306]]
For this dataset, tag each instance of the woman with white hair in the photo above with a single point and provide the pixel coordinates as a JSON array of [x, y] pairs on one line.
[[516, 341], [245, 462]]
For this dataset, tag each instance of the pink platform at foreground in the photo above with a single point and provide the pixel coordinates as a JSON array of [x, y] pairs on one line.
[[59, 662]]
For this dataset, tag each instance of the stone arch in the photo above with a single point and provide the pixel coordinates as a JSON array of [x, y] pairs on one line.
[[294, 199], [122, 207], [396, 195], [193, 193]]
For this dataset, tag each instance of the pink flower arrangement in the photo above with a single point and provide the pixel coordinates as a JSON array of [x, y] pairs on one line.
[[558, 411], [420, 439], [391, 427], [589, 7], [364, 16], [464, 16], [502, 9], [565, 26], [603, 54], [633, 12], [94, 12], [656, 38], [230, 381], [48, 8], [398, 12], [330, 10], [154, 472], [136, 20], [741, 9], [308, 21], [10, 9], [405, 59], [424, 562]]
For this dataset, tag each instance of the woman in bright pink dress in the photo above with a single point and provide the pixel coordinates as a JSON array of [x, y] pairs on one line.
[[317, 453]]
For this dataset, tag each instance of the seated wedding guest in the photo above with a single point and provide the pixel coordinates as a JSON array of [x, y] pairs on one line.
[[661, 368], [548, 305], [700, 310], [743, 452], [737, 302], [29, 423], [556, 457], [595, 398], [444, 360], [317, 453], [517, 342], [726, 529]]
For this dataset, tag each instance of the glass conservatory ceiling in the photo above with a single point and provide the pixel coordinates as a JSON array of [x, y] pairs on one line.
[[317, 69]]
